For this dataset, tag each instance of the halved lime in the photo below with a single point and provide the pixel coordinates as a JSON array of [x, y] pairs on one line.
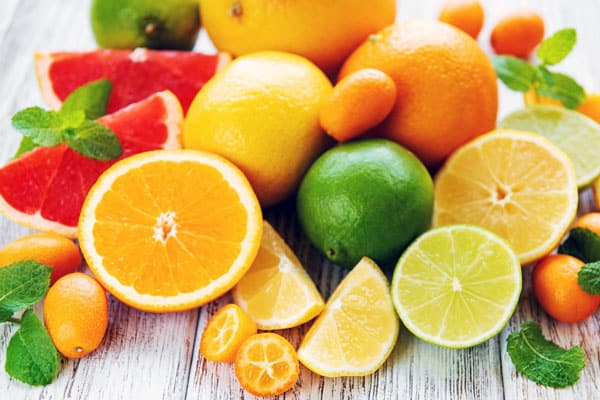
[[456, 286], [575, 134]]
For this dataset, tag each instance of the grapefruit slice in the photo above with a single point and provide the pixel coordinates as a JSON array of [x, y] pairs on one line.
[[135, 74], [44, 189]]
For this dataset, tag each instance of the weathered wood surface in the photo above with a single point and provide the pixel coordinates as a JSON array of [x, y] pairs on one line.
[[148, 357]]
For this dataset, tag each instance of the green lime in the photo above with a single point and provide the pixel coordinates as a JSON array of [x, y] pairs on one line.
[[366, 198], [164, 24], [575, 134], [456, 286]]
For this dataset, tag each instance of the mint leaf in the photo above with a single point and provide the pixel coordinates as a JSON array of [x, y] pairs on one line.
[[31, 357], [589, 278], [545, 76], [5, 314], [95, 141], [91, 99], [558, 46], [43, 127], [23, 284], [541, 360], [582, 243], [27, 144], [564, 89], [515, 73]]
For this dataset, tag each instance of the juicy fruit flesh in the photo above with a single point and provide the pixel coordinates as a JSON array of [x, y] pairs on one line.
[[225, 332], [456, 286]]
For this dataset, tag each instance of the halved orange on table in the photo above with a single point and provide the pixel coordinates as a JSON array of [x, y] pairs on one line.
[[170, 230]]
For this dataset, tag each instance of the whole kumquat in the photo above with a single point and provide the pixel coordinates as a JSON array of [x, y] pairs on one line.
[[518, 33]]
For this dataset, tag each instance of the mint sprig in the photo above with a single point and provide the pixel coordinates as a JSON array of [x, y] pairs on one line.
[[582, 243], [543, 361], [521, 76], [30, 357], [589, 278], [74, 124]]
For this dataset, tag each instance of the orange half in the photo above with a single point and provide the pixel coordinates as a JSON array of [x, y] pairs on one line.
[[170, 230]]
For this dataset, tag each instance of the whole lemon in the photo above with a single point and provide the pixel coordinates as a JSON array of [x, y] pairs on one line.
[[262, 113], [325, 32]]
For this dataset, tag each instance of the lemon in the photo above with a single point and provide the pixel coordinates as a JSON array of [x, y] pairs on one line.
[[276, 292], [262, 113], [358, 329], [575, 134], [456, 286]]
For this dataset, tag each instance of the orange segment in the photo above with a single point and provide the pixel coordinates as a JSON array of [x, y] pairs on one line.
[[170, 230], [516, 184], [266, 365], [225, 332]]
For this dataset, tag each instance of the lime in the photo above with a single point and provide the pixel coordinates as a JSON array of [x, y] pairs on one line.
[[127, 24], [575, 134], [456, 286], [366, 198]]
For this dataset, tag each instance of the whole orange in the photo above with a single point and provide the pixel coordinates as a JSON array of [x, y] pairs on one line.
[[446, 86], [518, 33], [76, 314], [325, 32], [466, 15], [556, 288]]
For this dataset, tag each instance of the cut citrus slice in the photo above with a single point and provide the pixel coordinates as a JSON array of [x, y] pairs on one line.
[[358, 329], [170, 230], [44, 189], [456, 286], [225, 332], [134, 74], [266, 365], [516, 184], [276, 291], [575, 134]]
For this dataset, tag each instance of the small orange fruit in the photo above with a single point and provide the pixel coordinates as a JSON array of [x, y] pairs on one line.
[[266, 365], [590, 107], [76, 314], [466, 15], [357, 103], [55, 251], [590, 221], [518, 33], [447, 90], [556, 287], [224, 333]]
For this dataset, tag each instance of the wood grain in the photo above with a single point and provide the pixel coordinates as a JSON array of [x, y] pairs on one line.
[[148, 356]]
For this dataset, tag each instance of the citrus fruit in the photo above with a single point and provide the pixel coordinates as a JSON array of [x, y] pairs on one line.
[[447, 90], [516, 184], [456, 286], [44, 189], [575, 134], [590, 107], [76, 314], [589, 221], [358, 329], [266, 365], [52, 250], [365, 198], [262, 113], [556, 288], [276, 291], [170, 230], [518, 33], [225, 332], [466, 15], [323, 32], [127, 24], [358, 102], [134, 74]]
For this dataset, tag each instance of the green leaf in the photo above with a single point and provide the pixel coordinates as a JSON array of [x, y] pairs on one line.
[[94, 140], [558, 46], [589, 278], [91, 99], [564, 89], [27, 144], [43, 127], [5, 314], [582, 243], [545, 76], [515, 73], [23, 284], [31, 357], [541, 360]]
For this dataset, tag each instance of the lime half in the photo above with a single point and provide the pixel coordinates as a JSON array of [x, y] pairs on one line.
[[456, 286], [575, 134]]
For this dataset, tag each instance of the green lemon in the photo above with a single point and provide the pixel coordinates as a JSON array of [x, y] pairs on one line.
[[366, 198], [164, 24]]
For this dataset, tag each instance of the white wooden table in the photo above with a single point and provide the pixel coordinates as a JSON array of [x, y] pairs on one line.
[[146, 356]]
